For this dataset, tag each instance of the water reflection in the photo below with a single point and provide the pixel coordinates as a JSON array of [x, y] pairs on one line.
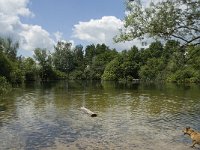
[[130, 116]]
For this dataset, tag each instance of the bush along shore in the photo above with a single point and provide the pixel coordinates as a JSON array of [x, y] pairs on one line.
[[169, 62]]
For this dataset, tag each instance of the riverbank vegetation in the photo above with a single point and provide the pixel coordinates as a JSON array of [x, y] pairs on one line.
[[159, 62], [175, 59]]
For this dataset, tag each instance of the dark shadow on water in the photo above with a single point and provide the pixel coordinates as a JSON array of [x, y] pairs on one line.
[[2, 108]]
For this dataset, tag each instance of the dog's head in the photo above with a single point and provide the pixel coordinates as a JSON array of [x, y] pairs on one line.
[[188, 131]]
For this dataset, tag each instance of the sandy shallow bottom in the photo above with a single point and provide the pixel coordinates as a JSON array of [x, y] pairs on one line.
[[93, 144], [128, 119]]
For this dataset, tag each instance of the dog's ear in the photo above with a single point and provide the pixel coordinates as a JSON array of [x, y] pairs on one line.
[[187, 128]]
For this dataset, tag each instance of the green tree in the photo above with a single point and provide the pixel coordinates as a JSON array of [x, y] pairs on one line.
[[145, 54], [89, 53], [79, 63], [184, 75], [153, 70], [96, 59], [78, 57], [5, 86], [9, 48], [100, 61], [177, 19], [131, 63], [113, 69], [30, 69], [156, 49], [9, 62], [45, 61], [63, 57], [190, 72], [170, 47], [101, 48], [5, 66]]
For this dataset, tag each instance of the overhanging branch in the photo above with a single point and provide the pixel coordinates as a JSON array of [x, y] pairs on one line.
[[181, 38]]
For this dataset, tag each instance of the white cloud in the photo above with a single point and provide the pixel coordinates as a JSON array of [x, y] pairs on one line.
[[33, 36], [58, 36], [6, 24], [102, 31], [99, 30], [29, 36], [15, 7]]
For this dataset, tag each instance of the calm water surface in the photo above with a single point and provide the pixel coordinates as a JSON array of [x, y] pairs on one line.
[[130, 116]]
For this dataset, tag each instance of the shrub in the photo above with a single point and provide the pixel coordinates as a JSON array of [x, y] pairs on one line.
[[76, 74], [5, 87], [186, 74]]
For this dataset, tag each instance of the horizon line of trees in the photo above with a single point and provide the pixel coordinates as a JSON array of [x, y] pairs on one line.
[[170, 62], [159, 62]]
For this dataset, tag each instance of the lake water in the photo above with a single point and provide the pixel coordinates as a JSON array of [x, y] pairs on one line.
[[130, 116]]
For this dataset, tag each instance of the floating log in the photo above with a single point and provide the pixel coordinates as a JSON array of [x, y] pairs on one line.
[[92, 114]]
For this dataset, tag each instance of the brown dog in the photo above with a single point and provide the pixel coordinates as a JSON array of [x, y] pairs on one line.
[[195, 136]]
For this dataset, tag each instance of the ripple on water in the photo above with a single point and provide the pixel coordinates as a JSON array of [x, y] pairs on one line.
[[126, 120]]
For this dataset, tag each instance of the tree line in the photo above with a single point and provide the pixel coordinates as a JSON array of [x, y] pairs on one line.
[[159, 62], [175, 60]]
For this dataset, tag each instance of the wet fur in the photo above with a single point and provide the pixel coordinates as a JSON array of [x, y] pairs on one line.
[[195, 136]]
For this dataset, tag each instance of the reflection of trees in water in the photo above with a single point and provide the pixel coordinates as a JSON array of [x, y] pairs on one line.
[[99, 96], [8, 107], [154, 99], [62, 95], [158, 99], [53, 109]]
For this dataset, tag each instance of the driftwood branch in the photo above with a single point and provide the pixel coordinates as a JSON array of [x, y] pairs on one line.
[[92, 114]]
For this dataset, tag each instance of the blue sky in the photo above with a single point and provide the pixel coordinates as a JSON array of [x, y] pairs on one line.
[[41, 23], [62, 15]]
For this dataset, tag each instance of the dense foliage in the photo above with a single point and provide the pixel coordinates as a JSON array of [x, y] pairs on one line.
[[5, 86], [159, 62], [167, 19], [175, 59]]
